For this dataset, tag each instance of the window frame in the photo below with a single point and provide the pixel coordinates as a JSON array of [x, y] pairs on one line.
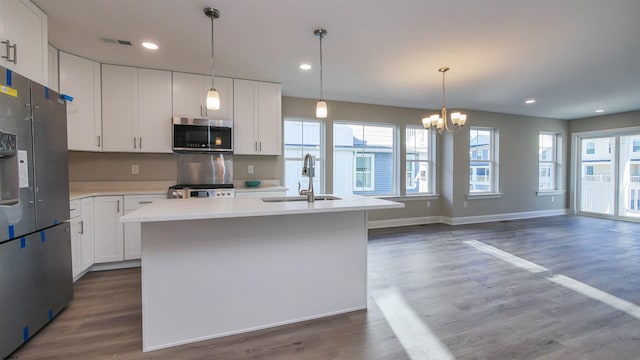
[[493, 161], [555, 163], [320, 163], [430, 162]]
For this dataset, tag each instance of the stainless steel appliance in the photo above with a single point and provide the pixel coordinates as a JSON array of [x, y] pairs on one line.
[[35, 247], [203, 175], [202, 135], [200, 191]]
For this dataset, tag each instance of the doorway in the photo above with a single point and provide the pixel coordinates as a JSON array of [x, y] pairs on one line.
[[608, 175]]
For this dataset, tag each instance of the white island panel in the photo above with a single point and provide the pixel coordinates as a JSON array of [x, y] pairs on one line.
[[203, 279]]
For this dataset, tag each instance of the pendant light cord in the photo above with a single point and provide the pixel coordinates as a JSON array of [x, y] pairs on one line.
[[212, 43], [321, 93]]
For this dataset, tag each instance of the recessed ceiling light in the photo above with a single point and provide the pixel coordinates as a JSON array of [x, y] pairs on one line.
[[150, 45], [305, 66], [600, 110], [530, 101]]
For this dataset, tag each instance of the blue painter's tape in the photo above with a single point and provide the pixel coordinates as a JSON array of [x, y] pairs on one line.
[[42, 237], [50, 314], [12, 233], [46, 93], [68, 98], [25, 333], [9, 79], [23, 243], [55, 221]]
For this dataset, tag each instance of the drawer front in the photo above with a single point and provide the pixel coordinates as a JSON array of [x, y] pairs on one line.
[[132, 202], [74, 208]]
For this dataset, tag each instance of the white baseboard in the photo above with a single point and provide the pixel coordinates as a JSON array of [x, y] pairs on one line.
[[376, 224], [116, 265]]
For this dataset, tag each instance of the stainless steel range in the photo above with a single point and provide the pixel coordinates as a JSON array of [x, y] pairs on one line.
[[203, 175], [199, 191]]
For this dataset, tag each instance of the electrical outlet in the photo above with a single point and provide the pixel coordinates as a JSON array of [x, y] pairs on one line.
[[135, 169], [428, 204], [464, 204], [553, 199], [250, 169]]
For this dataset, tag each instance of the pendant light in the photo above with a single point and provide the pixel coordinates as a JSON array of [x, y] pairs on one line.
[[440, 122], [213, 98], [321, 106]]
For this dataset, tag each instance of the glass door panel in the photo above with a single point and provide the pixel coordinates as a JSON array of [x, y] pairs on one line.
[[597, 175], [629, 176]]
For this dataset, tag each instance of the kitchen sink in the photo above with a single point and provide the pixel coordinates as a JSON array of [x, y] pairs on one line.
[[300, 198]]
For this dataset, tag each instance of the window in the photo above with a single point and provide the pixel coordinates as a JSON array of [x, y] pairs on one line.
[[364, 170], [636, 145], [302, 137], [483, 160], [591, 148], [548, 161], [364, 159], [419, 175]]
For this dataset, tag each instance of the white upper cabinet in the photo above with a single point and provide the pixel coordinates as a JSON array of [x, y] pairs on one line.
[[23, 31], [190, 93], [257, 125], [154, 110], [80, 79], [136, 109]]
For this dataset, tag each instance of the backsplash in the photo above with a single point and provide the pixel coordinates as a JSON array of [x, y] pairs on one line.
[[94, 166]]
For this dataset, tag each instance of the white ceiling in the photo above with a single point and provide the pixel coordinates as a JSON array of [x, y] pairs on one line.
[[572, 56]]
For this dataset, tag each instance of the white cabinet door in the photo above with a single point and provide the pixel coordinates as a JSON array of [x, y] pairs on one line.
[[132, 234], [257, 122], [119, 108], [52, 58], [245, 112], [269, 118], [108, 230], [190, 94], [26, 26], [86, 234], [187, 95], [80, 79], [224, 86], [154, 111]]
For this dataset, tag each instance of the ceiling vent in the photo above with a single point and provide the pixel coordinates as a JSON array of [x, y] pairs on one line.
[[114, 41]]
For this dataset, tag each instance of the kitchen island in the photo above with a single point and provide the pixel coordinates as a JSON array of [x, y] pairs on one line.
[[213, 267]]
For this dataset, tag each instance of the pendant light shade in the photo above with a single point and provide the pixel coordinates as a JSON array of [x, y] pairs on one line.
[[321, 109], [213, 98], [321, 106]]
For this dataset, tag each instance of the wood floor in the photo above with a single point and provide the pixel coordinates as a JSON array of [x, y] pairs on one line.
[[446, 292]]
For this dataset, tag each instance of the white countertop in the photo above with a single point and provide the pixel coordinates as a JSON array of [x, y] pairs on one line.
[[219, 208]]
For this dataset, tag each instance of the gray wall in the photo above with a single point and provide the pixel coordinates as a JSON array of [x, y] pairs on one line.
[[518, 159], [605, 122]]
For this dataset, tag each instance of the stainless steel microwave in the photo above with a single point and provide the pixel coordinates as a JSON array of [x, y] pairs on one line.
[[202, 135]]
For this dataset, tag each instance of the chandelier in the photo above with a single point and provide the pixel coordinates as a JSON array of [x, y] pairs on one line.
[[440, 122]]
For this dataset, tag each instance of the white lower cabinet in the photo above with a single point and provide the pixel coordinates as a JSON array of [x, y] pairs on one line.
[[81, 221], [132, 234], [108, 230]]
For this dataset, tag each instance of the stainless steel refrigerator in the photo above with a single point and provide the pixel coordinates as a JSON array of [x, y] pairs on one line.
[[35, 247]]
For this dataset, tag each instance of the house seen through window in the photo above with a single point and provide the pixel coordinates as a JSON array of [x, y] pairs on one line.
[[364, 159], [482, 160]]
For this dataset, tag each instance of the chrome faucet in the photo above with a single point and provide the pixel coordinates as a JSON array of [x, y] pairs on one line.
[[308, 169]]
